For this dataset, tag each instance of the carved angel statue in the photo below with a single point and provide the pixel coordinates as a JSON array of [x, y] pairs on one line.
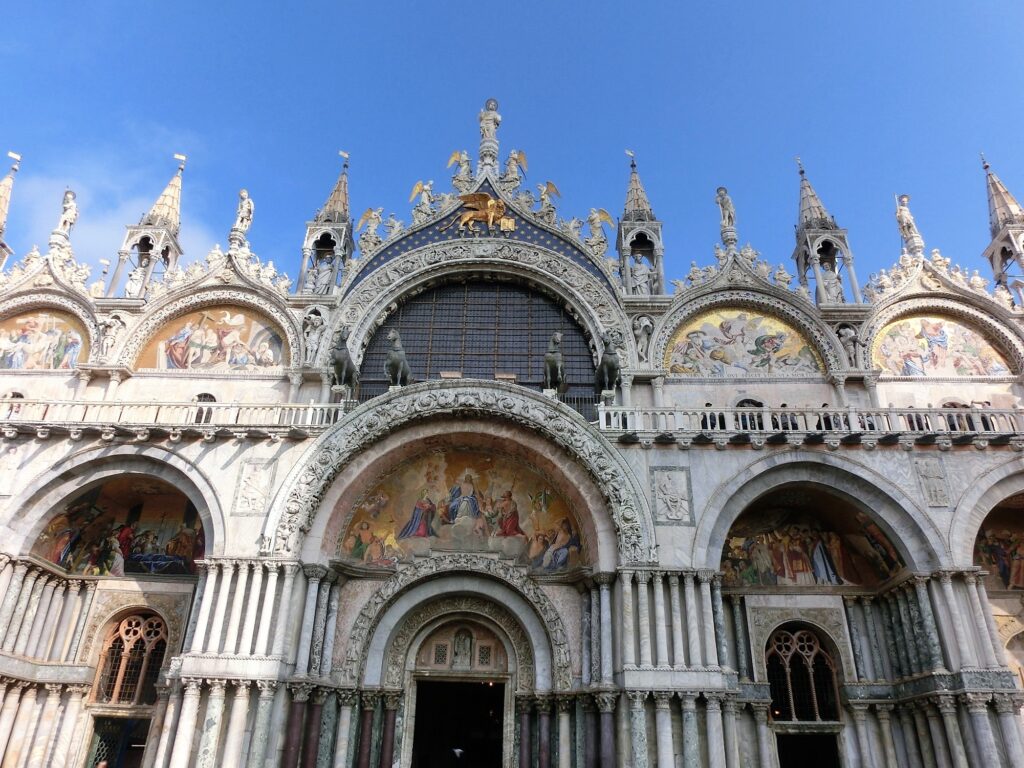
[[573, 227], [782, 277], [510, 179], [597, 241], [905, 219], [695, 275], [725, 207], [246, 208], [392, 226], [489, 120], [133, 288], [546, 212], [977, 282], [372, 218], [425, 207], [463, 179], [68, 214]]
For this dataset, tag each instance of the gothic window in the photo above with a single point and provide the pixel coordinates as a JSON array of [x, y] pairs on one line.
[[133, 653], [802, 677]]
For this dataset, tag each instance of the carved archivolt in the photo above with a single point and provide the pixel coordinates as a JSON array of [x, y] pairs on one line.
[[958, 308], [466, 605], [151, 322], [560, 424], [514, 576], [43, 299], [367, 305], [820, 335]]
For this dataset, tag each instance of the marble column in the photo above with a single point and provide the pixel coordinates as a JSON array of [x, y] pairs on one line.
[[236, 724], [293, 730], [22, 728], [676, 610], [988, 655], [543, 704], [266, 617], [47, 720], [977, 706], [282, 621], [227, 574], [731, 732], [740, 623], [156, 726], [606, 701], [884, 714], [906, 627], [963, 718], [54, 623], [346, 698], [586, 630], [523, 708], [42, 626], [17, 617], [11, 593], [765, 754], [314, 575], [855, 638], [910, 737], [628, 624], [935, 728], [197, 598], [710, 645], [237, 604], [565, 706], [692, 625], [314, 721], [965, 649], [205, 606], [67, 726], [691, 747], [928, 624], [9, 711], [874, 649], [638, 727], [663, 728], [595, 635], [590, 741], [1008, 709], [368, 701], [660, 627], [320, 624], [860, 727], [947, 709], [261, 728], [26, 618], [604, 579], [924, 739], [893, 641], [209, 738], [719, 616], [643, 619], [169, 726], [990, 622], [716, 740], [252, 609], [83, 615]]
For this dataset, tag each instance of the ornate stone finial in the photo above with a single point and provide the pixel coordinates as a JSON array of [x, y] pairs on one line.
[[489, 122], [728, 217], [638, 206], [812, 213], [6, 187], [912, 239]]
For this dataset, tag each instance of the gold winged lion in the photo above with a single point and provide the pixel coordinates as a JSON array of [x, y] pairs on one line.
[[479, 206]]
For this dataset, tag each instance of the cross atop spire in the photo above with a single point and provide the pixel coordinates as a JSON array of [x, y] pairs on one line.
[[336, 208], [1003, 207], [6, 187], [166, 211], [638, 207], [812, 211]]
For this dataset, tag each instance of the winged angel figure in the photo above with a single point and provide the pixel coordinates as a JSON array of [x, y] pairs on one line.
[[510, 179], [463, 179], [372, 218], [597, 241], [546, 212]]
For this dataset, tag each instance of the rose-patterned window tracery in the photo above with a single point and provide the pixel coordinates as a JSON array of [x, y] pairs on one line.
[[802, 677], [133, 653]]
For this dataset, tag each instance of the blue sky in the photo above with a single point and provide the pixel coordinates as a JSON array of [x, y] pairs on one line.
[[877, 98]]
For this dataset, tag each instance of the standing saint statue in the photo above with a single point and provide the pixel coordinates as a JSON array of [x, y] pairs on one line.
[[68, 214], [243, 218], [726, 208], [641, 275], [489, 120], [905, 219]]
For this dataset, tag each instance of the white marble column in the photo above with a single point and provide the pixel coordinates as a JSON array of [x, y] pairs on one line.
[[691, 743], [54, 623], [76, 637], [990, 622], [710, 645], [47, 720], [9, 710], [233, 739], [660, 627], [212, 722], [638, 726], [628, 626], [730, 729], [595, 634], [910, 736], [42, 626], [874, 649], [261, 728], [968, 657], [156, 725], [565, 705], [935, 728], [239, 601], [327, 655], [345, 700], [18, 617], [198, 594], [947, 709], [692, 624], [860, 728], [924, 739], [252, 610], [282, 621], [67, 727], [643, 619], [314, 575], [266, 617], [604, 580], [24, 725], [10, 599], [884, 714], [716, 739], [663, 728], [27, 618], [168, 727], [320, 624], [765, 752], [1008, 708], [586, 634], [977, 706], [676, 609], [227, 574], [988, 655], [181, 756], [205, 607]]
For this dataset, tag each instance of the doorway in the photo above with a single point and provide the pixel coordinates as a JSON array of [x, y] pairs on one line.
[[797, 750], [121, 741], [458, 724]]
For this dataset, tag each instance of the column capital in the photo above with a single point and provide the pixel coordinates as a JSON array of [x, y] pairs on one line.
[[975, 702], [642, 577], [662, 699], [946, 705], [320, 695], [301, 691], [970, 577], [636, 699], [604, 578], [368, 699], [714, 700], [945, 577], [542, 702], [267, 688], [54, 687], [730, 705], [860, 711], [1008, 704], [192, 686], [393, 699], [78, 690], [241, 687], [688, 700], [217, 687], [565, 702], [706, 575], [20, 566], [314, 572], [290, 568], [347, 696], [524, 705], [605, 701], [867, 599], [760, 712]]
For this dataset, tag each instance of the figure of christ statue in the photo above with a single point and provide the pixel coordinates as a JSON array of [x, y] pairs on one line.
[[421, 524], [462, 500]]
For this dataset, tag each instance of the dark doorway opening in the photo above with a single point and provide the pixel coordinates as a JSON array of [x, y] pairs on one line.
[[797, 750], [118, 740], [458, 725]]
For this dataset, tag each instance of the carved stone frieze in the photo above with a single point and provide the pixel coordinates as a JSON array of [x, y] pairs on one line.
[[516, 577], [627, 501], [466, 604]]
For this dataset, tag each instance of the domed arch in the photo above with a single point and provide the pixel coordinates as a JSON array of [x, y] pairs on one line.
[[987, 491], [920, 546], [58, 305], [263, 304], [300, 498]]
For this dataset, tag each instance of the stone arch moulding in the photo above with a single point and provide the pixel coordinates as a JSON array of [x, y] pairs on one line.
[[50, 299], [921, 547], [139, 335], [367, 305], [300, 497], [413, 585], [981, 497], [30, 509], [1006, 340], [418, 624], [783, 307]]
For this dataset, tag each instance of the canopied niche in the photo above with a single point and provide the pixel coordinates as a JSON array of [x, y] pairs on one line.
[[999, 546], [801, 536], [463, 499], [130, 524], [216, 339], [42, 340], [923, 345], [733, 342]]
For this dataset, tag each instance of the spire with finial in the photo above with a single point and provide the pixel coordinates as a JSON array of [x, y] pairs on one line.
[[812, 210], [6, 187], [336, 208], [638, 207], [166, 211], [1003, 207]]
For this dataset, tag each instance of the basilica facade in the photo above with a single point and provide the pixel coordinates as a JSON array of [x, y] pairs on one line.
[[489, 488]]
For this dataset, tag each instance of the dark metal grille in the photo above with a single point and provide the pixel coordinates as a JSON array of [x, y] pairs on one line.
[[481, 329], [131, 661], [802, 677]]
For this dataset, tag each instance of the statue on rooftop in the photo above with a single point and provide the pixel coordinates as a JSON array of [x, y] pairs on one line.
[[489, 120], [246, 208], [68, 214], [725, 207]]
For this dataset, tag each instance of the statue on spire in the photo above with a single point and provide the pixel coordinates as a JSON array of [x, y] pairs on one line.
[[489, 122], [908, 228], [728, 217], [68, 214], [246, 208]]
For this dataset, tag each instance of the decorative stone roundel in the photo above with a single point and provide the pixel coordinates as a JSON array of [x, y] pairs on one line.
[[305, 489]]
